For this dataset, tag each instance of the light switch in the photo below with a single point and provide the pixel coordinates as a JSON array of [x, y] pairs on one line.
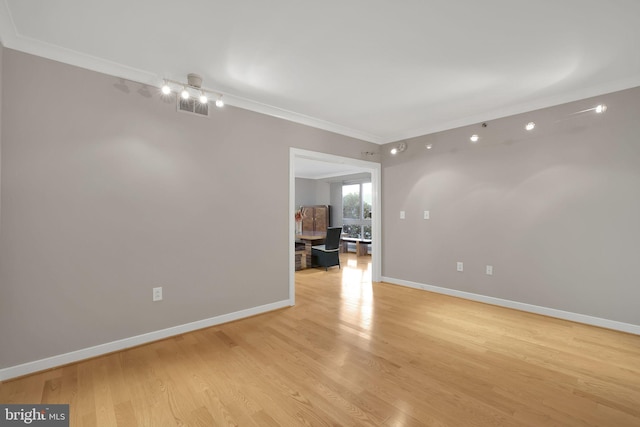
[[489, 270], [459, 266], [426, 214], [401, 214]]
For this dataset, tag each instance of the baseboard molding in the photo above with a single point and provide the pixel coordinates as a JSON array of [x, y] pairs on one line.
[[99, 350], [560, 314]]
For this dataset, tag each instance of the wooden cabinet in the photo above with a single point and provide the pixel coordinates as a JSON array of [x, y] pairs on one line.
[[316, 219]]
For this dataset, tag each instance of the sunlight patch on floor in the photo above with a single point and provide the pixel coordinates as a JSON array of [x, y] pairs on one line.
[[357, 294]]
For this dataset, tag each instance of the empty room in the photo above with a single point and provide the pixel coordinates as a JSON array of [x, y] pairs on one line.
[[319, 213]]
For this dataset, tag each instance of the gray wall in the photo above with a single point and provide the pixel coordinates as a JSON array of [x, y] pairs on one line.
[[1, 55], [107, 193], [555, 211], [336, 204], [323, 193], [312, 192]]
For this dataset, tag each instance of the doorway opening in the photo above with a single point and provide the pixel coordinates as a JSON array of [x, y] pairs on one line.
[[333, 162]]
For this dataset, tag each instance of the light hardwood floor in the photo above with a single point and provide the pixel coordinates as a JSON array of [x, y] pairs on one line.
[[356, 353]]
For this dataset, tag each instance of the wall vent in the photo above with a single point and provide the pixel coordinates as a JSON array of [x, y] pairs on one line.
[[193, 106]]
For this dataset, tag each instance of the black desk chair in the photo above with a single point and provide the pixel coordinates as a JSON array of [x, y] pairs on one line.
[[328, 255]]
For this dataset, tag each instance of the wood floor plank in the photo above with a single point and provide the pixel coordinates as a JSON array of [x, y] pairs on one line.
[[356, 353]]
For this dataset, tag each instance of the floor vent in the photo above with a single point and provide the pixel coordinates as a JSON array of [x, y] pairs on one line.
[[193, 106]]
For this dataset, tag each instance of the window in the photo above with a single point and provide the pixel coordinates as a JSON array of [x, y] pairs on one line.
[[351, 206], [356, 210]]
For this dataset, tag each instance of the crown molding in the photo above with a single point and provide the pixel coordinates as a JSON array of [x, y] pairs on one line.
[[11, 39], [512, 110]]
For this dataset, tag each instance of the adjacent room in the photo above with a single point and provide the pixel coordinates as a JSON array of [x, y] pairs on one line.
[[311, 214], [331, 195]]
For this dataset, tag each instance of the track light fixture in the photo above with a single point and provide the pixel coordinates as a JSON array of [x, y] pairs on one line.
[[475, 137], [399, 148], [193, 88], [599, 109]]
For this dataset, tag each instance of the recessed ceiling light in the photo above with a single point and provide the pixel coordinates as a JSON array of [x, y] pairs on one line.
[[474, 138], [429, 146], [601, 108], [394, 151], [530, 126]]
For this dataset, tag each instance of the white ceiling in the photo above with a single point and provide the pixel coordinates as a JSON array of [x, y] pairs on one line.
[[378, 70]]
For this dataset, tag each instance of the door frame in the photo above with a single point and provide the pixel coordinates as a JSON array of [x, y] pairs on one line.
[[376, 209]]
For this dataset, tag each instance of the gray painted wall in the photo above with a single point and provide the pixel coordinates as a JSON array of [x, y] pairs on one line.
[[323, 193], [305, 192], [312, 192], [107, 193], [1, 101], [336, 204], [555, 211]]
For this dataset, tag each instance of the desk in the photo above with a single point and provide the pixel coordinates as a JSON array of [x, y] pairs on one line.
[[361, 245], [311, 238]]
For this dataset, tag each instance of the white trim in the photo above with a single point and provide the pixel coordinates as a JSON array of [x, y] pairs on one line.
[[292, 227], [546, 311], [375, 169], [10, 38], [101, 349], [7, 26], [292, 116], [525, 107]]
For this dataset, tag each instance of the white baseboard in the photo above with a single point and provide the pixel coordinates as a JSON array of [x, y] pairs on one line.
[[560, 314], [98, 350]]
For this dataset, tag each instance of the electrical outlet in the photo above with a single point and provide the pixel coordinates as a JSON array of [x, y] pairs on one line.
[[401, 214], [460, 266], [489, 270], [426, 214], [157, 294]]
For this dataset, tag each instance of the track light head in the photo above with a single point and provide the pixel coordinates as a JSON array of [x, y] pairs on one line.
[[399, 148]]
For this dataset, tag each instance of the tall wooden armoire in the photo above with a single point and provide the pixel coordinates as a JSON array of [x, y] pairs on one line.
[[315, 219]]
